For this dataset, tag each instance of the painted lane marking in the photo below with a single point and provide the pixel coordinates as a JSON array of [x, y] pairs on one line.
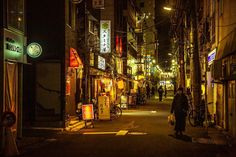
[[122, 133], [119, 133], [137, 133], [98, 133]]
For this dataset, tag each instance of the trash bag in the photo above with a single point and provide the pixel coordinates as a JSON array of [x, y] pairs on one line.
[[171, 119]]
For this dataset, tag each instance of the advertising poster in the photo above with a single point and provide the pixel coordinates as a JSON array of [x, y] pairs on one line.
[[87, 112], [103, 108]]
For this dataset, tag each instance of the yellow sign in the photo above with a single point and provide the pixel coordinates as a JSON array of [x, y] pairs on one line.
[[104, 107], [87, 112]]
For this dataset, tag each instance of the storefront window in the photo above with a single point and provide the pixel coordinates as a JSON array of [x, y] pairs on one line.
[[15, 14]]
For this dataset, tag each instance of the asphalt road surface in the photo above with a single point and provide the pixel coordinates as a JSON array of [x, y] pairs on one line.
[[141, 132]]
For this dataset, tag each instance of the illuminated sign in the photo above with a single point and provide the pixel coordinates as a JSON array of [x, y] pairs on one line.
[[91, 59], [119, 48], [75, 60], [13, 46], [211, 56], [105, 36], [101, 63], [87, 112], [34, 50], [104, 107]]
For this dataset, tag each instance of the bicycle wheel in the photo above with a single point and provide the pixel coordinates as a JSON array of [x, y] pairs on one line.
[[118, 111], [192, 118]]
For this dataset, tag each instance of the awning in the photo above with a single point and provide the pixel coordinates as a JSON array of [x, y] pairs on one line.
[[227, 45]]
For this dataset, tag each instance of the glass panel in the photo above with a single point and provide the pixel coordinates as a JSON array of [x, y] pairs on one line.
[[15, 14]]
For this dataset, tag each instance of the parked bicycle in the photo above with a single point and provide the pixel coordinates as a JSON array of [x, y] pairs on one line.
[[197, 117], [115, 111]]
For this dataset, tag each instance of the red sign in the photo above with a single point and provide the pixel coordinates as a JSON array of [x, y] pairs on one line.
[[87, 112], [119, 48], [75, 60]]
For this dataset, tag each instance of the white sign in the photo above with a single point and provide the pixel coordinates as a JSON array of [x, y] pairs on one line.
[[211, 56], [98, 4], [14, 46], [34, 50], [105, 36], [101, 63]]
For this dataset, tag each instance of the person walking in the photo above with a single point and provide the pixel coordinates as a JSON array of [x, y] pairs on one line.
[[160, 92], [180, 107]]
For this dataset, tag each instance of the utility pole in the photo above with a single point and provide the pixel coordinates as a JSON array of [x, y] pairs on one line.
[[196, 86], [87, 58], [181, 55]]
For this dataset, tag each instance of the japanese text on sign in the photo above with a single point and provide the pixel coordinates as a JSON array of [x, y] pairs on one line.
[[105, 35]]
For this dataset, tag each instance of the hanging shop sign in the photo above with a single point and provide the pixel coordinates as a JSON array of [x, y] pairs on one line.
[[119, 48], [101, 63], [75, 60], [98, 4], [105, 36], [211, 56], [13, 46], [87, 112], [34, 50]]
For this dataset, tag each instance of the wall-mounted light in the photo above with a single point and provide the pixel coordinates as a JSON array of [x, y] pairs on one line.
[[167, 8]]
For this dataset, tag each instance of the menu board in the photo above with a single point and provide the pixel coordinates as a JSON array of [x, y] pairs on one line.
[[103, 108]]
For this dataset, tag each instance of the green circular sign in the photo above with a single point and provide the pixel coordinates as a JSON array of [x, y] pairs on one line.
[[34, 50]]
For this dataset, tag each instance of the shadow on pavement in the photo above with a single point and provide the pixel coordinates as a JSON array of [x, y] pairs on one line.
[[185, 138]]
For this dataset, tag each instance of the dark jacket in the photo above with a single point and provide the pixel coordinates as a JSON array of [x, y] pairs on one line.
[[180, 104]]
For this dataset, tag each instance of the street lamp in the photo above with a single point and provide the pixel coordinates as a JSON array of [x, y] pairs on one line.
[[167, 8]]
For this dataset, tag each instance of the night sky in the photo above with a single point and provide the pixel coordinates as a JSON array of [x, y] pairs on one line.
[[163, 27]]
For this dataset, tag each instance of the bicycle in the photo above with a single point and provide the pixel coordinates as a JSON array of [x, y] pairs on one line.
[[115, 111], [197, 117]]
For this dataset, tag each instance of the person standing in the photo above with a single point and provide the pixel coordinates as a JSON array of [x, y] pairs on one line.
[[160, 92], [180, 107], [153, 90]]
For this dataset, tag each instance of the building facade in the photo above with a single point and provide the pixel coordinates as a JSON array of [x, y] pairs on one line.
[[13, 57]]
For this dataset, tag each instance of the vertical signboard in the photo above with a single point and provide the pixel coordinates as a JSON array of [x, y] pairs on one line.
[[105, 36], [103, 108], [87, 112], [101, 63]]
